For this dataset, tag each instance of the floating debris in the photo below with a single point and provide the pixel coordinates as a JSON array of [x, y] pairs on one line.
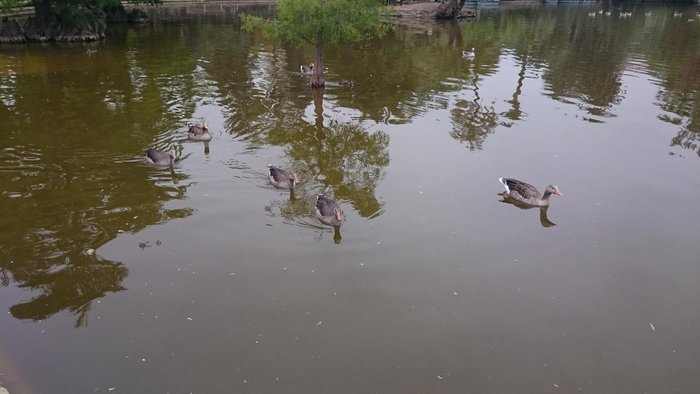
[[653, 329]]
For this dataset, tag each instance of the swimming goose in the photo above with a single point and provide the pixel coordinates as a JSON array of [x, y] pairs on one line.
[[199, 133], [307, 70], [160, 158], [281, 178], [328, 211], [469, 54], [526, 193]]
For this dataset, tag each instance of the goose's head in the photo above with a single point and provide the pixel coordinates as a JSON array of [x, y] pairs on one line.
[[551, 189]]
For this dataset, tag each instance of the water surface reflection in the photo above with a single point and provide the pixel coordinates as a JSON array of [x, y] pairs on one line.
[[185, 272]]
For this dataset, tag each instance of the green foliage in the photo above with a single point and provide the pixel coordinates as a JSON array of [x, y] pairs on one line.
[[10, 5], [338, 21], [71, 13]]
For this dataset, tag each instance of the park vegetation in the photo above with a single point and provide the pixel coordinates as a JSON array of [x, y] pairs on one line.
[[321, 23]]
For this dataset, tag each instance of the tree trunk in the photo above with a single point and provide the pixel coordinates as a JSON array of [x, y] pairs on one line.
[[39, 26], [449, 9], [317, 78]]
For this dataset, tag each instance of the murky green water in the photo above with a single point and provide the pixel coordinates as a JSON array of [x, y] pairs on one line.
[[206, 279]]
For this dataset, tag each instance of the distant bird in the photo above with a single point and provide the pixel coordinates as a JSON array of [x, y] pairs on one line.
[[608, 13], [347, 82], [199, 133], [526, 193], [470, 54], [677, 14], [591, 14], [328, 211], [307, 70], [281, 178], [159, 158], [648, 13]]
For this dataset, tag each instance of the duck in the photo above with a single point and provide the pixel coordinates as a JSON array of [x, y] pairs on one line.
[[328, 211], [347, 83], [282, 179], [469, 54], [526, 193], [307, 70], [160, 158], [199, 133]]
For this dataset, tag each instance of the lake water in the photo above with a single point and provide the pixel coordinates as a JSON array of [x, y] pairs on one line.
[[121, 277]]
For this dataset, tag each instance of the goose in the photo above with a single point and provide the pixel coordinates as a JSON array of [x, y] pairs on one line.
[[526, 193], [328, 211], [199, 133], [159, 158], [307, 70], [281, 178], [469, 54]]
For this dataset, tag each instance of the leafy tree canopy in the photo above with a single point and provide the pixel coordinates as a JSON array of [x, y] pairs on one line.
[[320, 23], [340, 21]]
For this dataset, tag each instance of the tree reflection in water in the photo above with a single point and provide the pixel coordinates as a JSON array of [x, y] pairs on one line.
[[343, 160], [91, 202], [472, 122], [71, 287]]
